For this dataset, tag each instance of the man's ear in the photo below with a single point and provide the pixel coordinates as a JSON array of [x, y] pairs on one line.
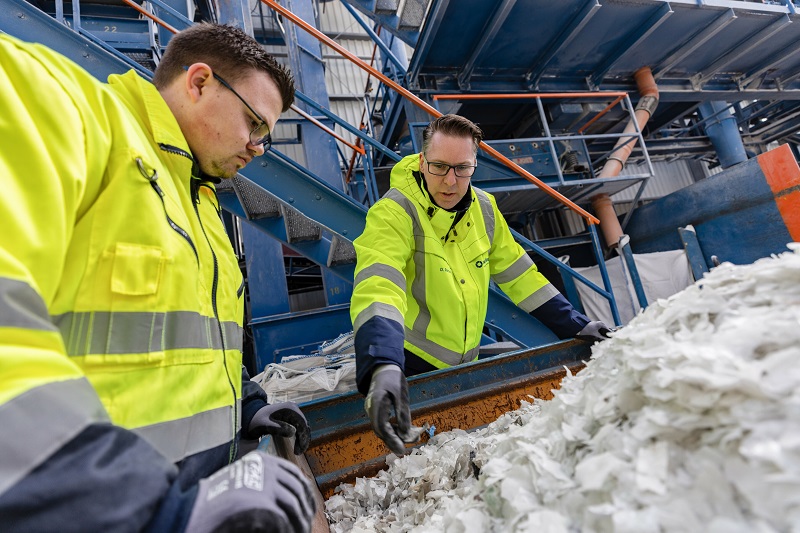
[[420, 160], [198, 76]]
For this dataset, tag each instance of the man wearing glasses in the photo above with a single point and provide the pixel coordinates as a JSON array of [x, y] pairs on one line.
[[122, 390], [425, 259]]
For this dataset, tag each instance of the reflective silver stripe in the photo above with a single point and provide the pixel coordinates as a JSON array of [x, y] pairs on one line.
[[382, 271], [538, 298], [22, 307], [234, 336], [418, 290], [488, 213], [104, 332], [517, 269], [178, 439], [40, 421], [446, 356], [377, 309]]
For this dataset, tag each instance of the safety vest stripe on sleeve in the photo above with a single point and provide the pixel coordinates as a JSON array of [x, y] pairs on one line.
[[448, 357], [22, 307], [517, 269], [383, 271], [378, 309], [45, 430], [104, 332], [538, 298], [488, 212], [178, 439]]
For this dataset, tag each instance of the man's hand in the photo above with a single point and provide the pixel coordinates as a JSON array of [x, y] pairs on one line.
[[388, 389], [594, 331], [284, 420], [258, 492]]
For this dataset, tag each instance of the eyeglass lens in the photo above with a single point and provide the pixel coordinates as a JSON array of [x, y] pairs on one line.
[[441, 169]]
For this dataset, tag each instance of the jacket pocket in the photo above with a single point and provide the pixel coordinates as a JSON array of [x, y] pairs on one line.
[[137, 269]]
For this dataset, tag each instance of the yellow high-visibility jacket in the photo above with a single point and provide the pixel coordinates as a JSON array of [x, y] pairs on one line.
[[423, 272], [120, 294]]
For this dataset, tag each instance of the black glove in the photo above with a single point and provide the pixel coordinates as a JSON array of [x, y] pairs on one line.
[[387, 389], [594, 331], [284, 420], [259, 492]]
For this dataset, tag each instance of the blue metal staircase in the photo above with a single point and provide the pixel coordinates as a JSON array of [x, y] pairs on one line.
[[281, 199]]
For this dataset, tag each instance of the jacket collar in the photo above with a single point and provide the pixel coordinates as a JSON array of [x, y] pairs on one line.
[[149, 107]]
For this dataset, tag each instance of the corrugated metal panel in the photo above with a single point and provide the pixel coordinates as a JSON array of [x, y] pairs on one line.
[[669, 177]]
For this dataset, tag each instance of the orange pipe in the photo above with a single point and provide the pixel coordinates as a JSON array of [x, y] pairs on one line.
[[426, 107], [609, 224]]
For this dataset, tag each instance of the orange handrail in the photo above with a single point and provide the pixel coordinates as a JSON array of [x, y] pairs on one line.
[[294, 108], [425, 106], [149, 15], [326, 129], [514, 96]]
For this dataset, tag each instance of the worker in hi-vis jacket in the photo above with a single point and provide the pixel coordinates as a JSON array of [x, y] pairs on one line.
[[122, 390], [425, 259]]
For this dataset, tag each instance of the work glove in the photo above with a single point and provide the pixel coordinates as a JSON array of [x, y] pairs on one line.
[[594, 331], [284, 420], [388, 389], [258, 493]]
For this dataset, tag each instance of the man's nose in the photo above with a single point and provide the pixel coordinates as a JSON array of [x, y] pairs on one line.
[[256, 149], [450, 177]]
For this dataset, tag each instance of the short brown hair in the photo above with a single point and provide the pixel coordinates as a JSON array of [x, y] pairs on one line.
[[229, 51], [452, 126]]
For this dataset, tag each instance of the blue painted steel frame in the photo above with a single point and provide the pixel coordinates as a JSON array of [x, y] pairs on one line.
[[344, 412], [308, 329]]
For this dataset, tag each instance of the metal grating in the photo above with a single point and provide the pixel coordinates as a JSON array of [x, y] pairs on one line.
[[257, 202], [387, 7], [413, 14], [299, 227], [342, 252]]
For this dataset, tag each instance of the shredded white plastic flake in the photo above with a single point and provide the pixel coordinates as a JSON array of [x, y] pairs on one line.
[[688, 419]]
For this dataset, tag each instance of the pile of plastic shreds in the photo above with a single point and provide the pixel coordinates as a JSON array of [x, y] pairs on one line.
[[688, 419]]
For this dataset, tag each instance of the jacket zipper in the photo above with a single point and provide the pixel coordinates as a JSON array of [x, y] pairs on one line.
[[153, 180], [195, 201]]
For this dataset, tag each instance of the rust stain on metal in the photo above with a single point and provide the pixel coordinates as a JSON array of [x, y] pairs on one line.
[[357, 454]]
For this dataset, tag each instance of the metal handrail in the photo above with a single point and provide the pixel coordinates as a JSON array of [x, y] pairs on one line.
[[590, 219]]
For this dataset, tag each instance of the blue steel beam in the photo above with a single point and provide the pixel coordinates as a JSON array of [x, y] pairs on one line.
[[693, 252], [316, 251], [630, 42], [434, 21], [310, 195], [771, 62], [488, 34], [697, 40], [26, 22], [390, 21], [742, 48], [387, 53], [565, 36], [319, 147]]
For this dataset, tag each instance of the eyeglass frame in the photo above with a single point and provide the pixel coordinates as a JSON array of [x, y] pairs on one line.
[[266, 141], [455, 172]]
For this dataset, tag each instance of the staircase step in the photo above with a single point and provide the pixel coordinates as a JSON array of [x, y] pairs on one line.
[[255, 200], [413, 14], [387, 7], [299, 227], [342, 252]]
